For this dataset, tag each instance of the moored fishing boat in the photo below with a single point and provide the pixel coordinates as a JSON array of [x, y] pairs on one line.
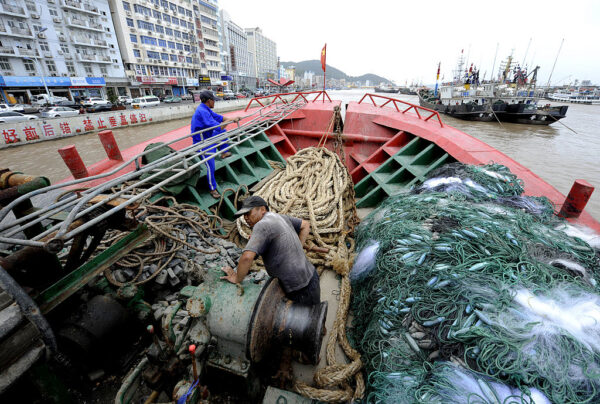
[[388, 147]]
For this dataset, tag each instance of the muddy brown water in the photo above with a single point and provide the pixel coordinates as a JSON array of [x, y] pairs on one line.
[[554, 152]]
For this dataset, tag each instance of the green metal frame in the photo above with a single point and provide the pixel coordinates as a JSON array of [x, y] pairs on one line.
[[407, 167], [247, 165], [72, 282]]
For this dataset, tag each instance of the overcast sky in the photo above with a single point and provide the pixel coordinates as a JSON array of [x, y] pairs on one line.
[[404, 40]]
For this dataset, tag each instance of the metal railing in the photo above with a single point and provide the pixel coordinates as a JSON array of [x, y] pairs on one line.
[[429, 113], [298, 95], [177, 164]]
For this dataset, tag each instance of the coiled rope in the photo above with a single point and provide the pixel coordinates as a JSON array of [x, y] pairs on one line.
[[316, 186]]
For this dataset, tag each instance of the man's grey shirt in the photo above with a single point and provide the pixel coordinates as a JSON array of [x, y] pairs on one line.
[[275, 238]]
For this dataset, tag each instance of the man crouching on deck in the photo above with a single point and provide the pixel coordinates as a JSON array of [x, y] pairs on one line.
[[279, 240]]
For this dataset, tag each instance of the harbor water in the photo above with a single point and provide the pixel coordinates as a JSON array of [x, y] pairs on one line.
[[559, 153]]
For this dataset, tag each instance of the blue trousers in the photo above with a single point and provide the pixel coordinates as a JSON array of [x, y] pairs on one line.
[[210, 165]]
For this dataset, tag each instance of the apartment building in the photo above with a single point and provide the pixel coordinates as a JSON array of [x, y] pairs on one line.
[[67, 46], [264, 53], [159, 45], [208, 25], [236, 58]]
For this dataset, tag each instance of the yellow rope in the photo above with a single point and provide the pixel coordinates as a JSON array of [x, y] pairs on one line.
[[316, 186]]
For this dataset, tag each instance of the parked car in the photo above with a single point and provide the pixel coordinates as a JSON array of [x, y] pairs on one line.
[[124, 99], [12, 116], [56, 112], [146, 101], [229, 95], [187, 97], [100, 107], [88, 102], [45, 99], [9, 107], [240, 95], [68, 103], [172, 100]]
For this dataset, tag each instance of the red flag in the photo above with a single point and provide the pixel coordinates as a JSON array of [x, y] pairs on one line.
[[323, 57]]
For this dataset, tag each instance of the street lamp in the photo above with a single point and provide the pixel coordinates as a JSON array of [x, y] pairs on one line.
[[184, 78]]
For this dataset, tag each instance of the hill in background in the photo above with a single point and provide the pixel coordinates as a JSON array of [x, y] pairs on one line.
[[333, 73]]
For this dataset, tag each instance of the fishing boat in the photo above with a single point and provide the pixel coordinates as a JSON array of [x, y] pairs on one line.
[[513, 98], [576, 97], [76, 295], [385, 88]]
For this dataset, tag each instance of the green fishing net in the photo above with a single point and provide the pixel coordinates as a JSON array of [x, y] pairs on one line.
[[466, 282]]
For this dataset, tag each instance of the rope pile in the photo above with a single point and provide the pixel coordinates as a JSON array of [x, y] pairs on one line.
[[316, 186], [467, 291], [172, 228]]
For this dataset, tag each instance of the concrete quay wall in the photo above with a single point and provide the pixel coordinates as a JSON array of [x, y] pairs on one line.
[[42, 129]]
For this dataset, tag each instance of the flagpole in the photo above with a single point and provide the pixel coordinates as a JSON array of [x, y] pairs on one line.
[[324, 75]]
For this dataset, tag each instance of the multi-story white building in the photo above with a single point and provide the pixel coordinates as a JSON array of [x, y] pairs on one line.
[[236, 56], [264, 52], [159, 45], [208, 23], [68, 45]]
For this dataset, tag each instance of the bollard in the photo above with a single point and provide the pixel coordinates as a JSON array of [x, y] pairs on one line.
[[110, 145], [73, 161], [578, 197]]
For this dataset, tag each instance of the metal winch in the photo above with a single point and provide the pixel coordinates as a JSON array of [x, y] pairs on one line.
[[249, 320], [230, 327]]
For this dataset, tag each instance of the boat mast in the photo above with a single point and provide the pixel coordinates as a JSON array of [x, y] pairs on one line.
[[494, 65], [526, 52], [554, 65]]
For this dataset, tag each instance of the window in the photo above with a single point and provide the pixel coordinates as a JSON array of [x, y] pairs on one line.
[[169, 31], [164, 56], [185, 36], [173, 7], [179, 46], [44, 46], [177, 33], [70, 68], [153, 55], [173, 58], [188, 13], [156, 14], [53, 12], [29, 66], [64, 47], [167, 17], [133, 38], [186, 48], [5, 64], [188, 59], [130, 22], [103, 71], [142, 10], [207, 20], [175, 20], [181, 10], [145, 25], [148, 40], [88, 69], [136, 53], [126, 6], [51, 66], [171, 45], [164, 3], [159, 29], [162, 43]]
